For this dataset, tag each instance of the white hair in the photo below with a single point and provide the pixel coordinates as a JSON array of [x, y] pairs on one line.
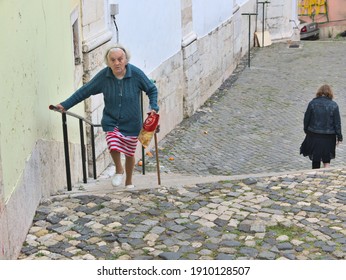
[[115, 48]]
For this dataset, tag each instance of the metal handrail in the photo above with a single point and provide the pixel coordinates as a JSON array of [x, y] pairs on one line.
[[66, 148]]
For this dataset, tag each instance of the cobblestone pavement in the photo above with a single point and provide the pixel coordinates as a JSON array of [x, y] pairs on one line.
[[253, 124], [297, 216]]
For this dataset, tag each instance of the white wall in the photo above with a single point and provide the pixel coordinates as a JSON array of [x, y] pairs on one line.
[[241, 2], [208, 15], [278, 14], [151, 30]]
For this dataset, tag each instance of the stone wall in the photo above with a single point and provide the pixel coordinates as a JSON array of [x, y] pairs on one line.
[[43, 176], [96, 39]]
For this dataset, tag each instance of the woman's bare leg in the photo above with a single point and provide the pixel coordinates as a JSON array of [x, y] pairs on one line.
[[116, 156], [129, 167]]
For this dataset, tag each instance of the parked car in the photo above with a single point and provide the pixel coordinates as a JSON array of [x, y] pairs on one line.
[[309, 31]]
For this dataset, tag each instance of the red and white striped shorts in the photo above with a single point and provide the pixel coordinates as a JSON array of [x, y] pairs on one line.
[[116, 141]]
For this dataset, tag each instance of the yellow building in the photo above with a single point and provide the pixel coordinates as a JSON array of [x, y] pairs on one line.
[[329, 14], [40, 64]]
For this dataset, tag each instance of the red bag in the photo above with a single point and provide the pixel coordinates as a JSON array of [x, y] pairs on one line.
[[151, 122], [148, 130]]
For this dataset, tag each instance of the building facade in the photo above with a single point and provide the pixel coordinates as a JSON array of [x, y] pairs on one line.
[[329, 14]]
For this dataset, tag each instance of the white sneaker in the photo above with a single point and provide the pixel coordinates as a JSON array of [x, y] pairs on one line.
[[130, 186], [117, 180]]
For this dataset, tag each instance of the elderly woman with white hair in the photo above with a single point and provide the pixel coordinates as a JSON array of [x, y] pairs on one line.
[[121, 84]]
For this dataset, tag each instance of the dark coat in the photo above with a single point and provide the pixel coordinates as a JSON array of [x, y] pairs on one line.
[[322, 116]]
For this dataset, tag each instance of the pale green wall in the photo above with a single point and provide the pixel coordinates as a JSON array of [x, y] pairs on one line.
[[36, 69]]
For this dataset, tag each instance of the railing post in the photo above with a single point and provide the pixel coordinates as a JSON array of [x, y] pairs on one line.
[[249, 15], [67, 154], [143, 150], [263, 4], [93, 150], [81, 131], [83, 148]]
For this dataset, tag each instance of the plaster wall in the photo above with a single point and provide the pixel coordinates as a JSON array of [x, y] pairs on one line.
[[37, 69], [97, 36], [336, 13], [279, 18], [151, 30]]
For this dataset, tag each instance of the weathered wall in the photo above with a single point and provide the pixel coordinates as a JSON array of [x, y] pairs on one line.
[[209, 58], [37, 69], [278, 18], [96, 39]]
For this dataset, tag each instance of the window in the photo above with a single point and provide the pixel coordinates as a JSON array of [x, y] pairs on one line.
[[76, 47], [75, 35]]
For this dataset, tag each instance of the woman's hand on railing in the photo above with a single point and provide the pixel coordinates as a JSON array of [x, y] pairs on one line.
[[57, 108], [60, 107]]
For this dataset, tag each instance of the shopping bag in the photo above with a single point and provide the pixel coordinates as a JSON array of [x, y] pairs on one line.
[[148, 129]]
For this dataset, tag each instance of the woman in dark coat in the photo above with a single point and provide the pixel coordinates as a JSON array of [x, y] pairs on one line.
[[322, 125]]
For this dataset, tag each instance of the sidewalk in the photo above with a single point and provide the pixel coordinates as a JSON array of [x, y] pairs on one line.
[[237, 187]]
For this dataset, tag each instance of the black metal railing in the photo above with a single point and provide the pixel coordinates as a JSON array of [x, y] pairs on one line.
[[83, 150], [92, 136]]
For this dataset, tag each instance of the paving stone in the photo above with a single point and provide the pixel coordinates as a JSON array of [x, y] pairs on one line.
[[284, 246], [177, 228], [231, 243], [328, 249], [245, 226], [225, 257], [251, 252], [170, 255], [136, 234], [258, 227], [266, 255], [250, 181]]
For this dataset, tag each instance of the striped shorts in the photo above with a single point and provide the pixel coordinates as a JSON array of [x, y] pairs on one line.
[[116, 141]]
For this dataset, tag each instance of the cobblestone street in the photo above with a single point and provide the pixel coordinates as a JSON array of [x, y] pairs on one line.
[[261, 200], [254, 122]]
